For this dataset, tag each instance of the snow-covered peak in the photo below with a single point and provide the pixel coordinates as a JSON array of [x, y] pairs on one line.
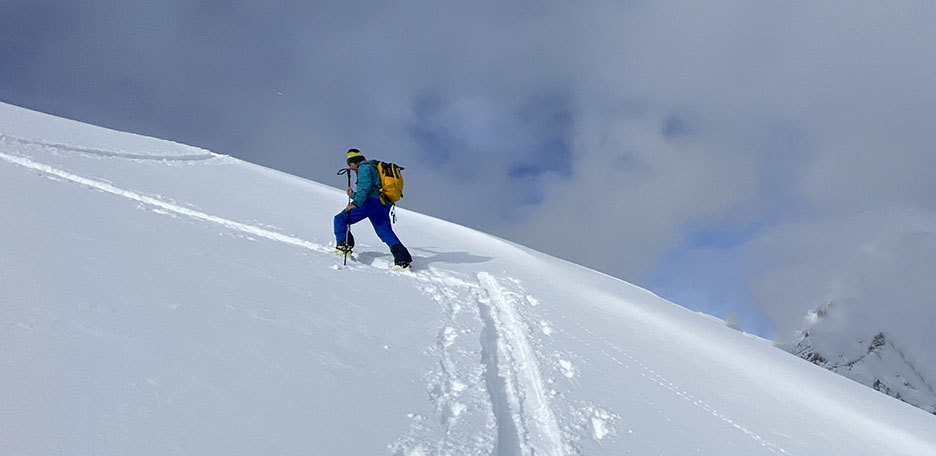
[[876, 361], [875, 325], [194, 306]]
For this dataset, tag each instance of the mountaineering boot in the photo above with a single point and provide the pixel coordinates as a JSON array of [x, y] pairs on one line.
[[344, 247], [401, 256]]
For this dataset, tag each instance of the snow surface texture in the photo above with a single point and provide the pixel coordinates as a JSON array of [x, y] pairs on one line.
[[159, 299]]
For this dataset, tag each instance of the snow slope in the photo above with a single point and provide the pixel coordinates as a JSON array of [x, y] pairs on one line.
[[160, 299]]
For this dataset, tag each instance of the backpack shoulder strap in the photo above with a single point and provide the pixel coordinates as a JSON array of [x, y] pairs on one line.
[[378, 183]]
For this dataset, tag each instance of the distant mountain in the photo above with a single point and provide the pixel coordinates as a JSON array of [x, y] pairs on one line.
[[874, 359]]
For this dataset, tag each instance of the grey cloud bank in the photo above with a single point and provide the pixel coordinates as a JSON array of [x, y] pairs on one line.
[[607, 133]]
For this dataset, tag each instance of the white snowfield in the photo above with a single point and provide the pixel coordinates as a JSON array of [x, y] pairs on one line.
[[159, 299]]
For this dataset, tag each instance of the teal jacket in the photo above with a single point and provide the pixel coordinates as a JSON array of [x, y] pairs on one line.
[[368, 183]]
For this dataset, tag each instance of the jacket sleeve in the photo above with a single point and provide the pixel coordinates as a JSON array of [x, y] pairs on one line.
[[366, 175]]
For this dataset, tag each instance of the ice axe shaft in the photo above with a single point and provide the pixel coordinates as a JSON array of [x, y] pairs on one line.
[[347, 234]]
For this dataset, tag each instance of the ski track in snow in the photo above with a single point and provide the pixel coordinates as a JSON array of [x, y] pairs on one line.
[[493, 383], [523, 386], [161, 206], [487, 384]]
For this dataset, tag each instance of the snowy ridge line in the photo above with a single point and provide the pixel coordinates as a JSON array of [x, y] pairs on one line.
[[108, 153], [168, 207], [523, 387], [651, 375]]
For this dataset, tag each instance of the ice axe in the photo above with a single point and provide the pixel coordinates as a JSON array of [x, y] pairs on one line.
[[347, 214]]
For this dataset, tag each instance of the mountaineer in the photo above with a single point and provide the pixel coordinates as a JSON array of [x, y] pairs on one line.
[[379, 187]]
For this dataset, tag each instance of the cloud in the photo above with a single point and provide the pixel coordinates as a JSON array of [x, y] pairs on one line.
[[869, 254], [872, 270]]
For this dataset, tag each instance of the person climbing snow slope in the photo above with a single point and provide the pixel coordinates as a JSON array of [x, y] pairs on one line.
[[366, 202]]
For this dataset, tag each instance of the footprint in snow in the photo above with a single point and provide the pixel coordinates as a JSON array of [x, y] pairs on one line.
[[544, 326], [567, 369], [601, 421], [449, 334]]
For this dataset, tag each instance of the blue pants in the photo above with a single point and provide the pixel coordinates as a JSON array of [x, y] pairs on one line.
[[379, 216]]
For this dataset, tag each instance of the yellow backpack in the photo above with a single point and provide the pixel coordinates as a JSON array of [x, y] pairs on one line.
[[391, 182]]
